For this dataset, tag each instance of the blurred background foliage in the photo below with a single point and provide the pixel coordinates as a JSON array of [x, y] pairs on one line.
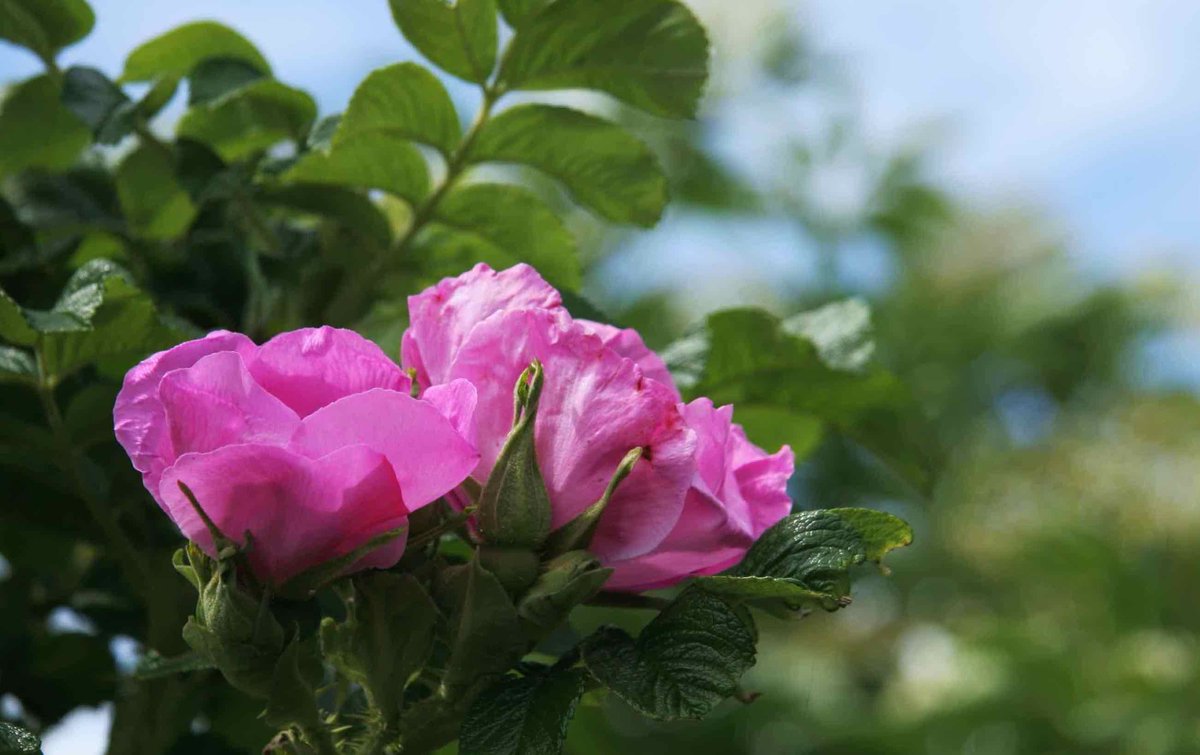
[[1045, 605]]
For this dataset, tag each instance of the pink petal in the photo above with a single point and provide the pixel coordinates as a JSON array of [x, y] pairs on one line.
[[628, 343], [595, 407], [216, 403], [300, 512], [443, 316], [428, 454], [456, 401], [138, 418], [313, 367]]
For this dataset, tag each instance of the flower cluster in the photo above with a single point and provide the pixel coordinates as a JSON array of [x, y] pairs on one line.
[[312, 444]]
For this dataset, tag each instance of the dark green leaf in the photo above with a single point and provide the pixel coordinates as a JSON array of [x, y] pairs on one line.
[[598, 162], [99, 103], [402, 100], [526, 715], [460, 37], [45, 26], [487, 639], [652, 54], [806, 558], [371, 161], [250, 119], [503, 225], [174, 54], [17, 741], [292, 697], [154, 203], [99, 316], [214, 78], [37, 130], [517, 12], [685, 661]]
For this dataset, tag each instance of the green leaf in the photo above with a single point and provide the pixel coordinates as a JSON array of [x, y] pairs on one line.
[[564, 582], [214, 78], [684, 662], [517, 12], [460, 37], [386, 638], [815, 364], [154, 203], [526, 715], [17, 741], [487, 639], [45, 26], [100, 316], [99, 103], [250, 119], [652, 54], [17, 366], [502, 225], [352, 209], [371, 161], [599, 163], [174, 54], [402, 100], [37, 130], [806, 558], [773, 426], [292, 698], [154, 666]]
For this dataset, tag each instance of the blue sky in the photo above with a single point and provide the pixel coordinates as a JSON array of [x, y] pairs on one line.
[[1087, 108]]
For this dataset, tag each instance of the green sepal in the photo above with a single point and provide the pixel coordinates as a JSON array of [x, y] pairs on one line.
[[577, 534], [565, 582], [294, 681], [304, 584], [514, 508]]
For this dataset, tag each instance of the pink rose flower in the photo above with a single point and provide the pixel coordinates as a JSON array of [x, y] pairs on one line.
[[604, 393], [311, 443], [739, 491]]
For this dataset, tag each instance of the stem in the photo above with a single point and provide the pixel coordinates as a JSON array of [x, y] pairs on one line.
[[126, 553], [378, 742], [622, 600], [319, 737]]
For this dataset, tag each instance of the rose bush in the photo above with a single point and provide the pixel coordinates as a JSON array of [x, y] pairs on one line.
[[700, 495], [310, 444]]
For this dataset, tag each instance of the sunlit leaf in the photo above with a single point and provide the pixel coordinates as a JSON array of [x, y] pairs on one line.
[[250, 119], [37, 130], [174, 54], [652, 54], [402, 100], [599, 163], [460, 36], [45, 26], [373, 160]]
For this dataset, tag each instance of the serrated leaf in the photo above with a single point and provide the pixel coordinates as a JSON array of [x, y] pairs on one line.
[[403, 100], [99, 103], [174, 54], [526, 715], [652, 54], [17, 741], [352, 209], [37, 130], [214, 78], [503, 225], [487, 635], [250, 119], [517, 12], [684, 662], [153, 666], [815, 550], [45, 26], [155, 205], [372, 161], [600, 164], [460, 37]]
